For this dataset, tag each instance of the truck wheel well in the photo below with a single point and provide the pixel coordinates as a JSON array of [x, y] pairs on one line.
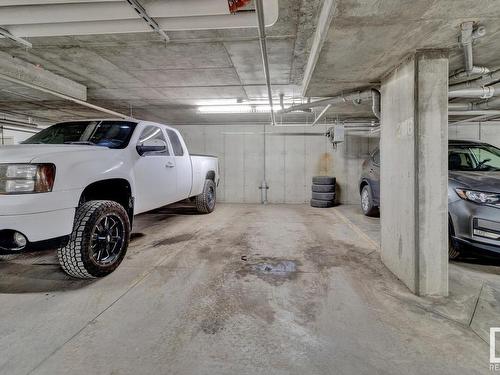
[[362, 185], [117, 190], [211, 175]]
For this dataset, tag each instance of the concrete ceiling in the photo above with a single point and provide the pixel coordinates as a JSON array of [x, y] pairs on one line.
[[367, 38], [139, 74]]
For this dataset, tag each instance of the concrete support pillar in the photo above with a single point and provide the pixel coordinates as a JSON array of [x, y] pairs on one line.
[[414, 172]]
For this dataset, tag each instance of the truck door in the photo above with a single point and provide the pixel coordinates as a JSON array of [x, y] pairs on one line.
[[183, 165], [155, 175]]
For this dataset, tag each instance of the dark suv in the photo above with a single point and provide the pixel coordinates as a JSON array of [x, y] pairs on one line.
[[473, 195]]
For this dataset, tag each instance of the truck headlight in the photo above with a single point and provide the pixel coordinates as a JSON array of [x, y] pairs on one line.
[[479, 197], [26, 178]]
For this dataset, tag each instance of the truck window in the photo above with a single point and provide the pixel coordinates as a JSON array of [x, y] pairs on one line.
[[153, 132], [176, 143]]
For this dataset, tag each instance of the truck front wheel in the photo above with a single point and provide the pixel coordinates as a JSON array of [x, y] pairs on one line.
[[99, 240], [205, 202]]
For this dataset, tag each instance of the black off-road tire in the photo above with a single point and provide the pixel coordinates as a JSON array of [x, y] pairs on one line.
[[205, 202], [323, 180], [368, 208], [75, 257], [323, 188], [321, 204], [324, 196]]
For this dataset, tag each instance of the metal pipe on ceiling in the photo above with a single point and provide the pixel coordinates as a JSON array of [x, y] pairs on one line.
[[62, 96], [259, 8], [492, 103], [467, 37], [476, 70], [469, 106], [475, 113], [484, 92], [355, 97], [460, 106], [320, 116], [485, 80]]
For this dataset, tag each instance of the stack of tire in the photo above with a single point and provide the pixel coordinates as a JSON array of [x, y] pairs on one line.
[[323, 191]]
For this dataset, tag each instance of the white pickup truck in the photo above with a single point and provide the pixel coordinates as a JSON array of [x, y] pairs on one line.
[[77, 186]]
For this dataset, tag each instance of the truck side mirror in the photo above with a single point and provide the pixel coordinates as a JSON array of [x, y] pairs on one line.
[[151, 146]]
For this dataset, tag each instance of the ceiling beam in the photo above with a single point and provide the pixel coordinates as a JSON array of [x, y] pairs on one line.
[[150, 21], [324, 21], [23, 71], [63, 96], [14, 38]]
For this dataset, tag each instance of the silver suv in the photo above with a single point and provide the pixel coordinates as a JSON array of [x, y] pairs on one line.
[[473, 196]]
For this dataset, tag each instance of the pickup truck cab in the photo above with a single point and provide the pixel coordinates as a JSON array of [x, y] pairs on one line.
[[77, 186]]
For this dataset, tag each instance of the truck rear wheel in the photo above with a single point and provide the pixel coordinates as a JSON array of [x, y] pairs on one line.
[[205, 202], [98, 242]]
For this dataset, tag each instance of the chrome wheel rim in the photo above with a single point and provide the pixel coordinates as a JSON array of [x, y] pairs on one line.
[[365, 200], [107, 240]]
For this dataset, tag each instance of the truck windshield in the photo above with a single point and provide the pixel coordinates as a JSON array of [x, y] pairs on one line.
[[473, 158], [112, 134]]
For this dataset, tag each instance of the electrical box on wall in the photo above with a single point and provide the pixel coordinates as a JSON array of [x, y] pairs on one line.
[[339, 133], [336, 134]]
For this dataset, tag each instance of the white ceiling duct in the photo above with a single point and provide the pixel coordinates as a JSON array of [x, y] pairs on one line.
[[29, 18]]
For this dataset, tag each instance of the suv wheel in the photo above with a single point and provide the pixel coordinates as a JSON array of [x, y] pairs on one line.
[[98, 242], [367, 202]]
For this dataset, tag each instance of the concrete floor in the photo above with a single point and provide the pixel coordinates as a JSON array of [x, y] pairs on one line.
[[249, 289]]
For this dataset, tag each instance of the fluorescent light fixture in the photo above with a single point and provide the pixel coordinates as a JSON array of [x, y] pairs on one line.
[[211, 102], [225, 109], [262, 108], [235, 106]]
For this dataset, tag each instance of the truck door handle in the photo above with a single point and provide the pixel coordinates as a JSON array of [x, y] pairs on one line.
[[169, 164]]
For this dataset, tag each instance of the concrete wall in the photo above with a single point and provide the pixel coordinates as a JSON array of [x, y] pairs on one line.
[[414, 173], [13, 136], [484, 131], [292, 158], [348, 158]]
